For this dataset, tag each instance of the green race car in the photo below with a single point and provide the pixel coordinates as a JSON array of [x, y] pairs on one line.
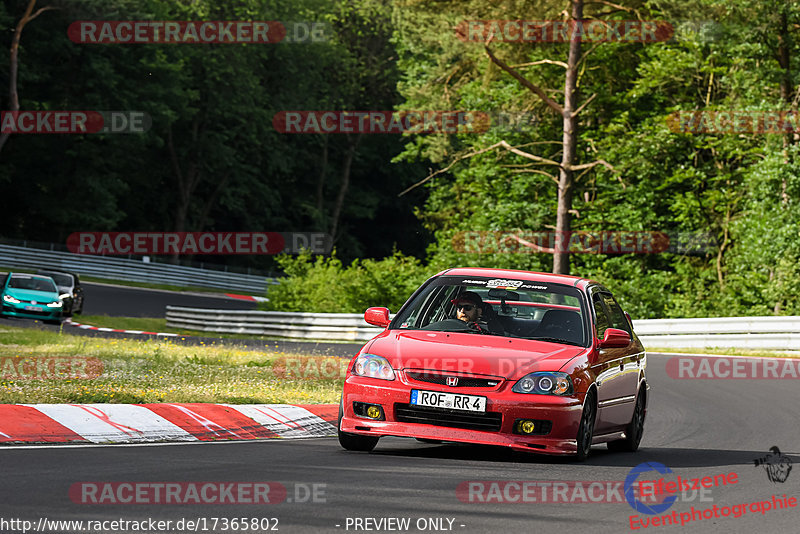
[[31, 296]]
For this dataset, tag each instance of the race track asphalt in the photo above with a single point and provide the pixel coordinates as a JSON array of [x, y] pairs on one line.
[[696, 428], [124, 301]]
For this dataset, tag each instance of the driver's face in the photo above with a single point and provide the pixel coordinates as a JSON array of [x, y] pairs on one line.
[[468, 311]]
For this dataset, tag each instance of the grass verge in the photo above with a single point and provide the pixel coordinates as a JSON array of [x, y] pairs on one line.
[[158, 370]]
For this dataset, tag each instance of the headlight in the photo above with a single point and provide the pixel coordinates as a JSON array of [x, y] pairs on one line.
[[63, 296], [9, 298], [374, 367], [544, 383], [55, 304]]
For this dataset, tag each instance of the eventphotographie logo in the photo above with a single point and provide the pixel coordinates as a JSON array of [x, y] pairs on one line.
[[777, 465]]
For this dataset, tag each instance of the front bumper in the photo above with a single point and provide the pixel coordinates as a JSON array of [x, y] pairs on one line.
[[44, 313], [563, 413]]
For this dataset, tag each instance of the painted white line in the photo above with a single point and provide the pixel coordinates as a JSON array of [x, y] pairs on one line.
[[70, 322]]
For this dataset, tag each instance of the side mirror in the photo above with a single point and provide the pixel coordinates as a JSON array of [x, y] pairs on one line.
[[614, 338], [377, 317]]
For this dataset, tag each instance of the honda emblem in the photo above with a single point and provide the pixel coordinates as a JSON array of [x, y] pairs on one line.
[[452, 381]]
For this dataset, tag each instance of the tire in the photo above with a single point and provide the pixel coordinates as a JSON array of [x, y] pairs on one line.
[[354, 442], [586, 427], [52, 322], [634, 430]]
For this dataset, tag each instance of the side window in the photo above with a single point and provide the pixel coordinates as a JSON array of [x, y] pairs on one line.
[[618, 319], [600, 312]]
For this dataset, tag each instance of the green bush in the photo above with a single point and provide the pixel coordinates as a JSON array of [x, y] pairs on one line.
[[323, 284]]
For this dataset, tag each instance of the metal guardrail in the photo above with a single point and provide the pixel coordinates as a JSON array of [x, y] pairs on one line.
[[769, 333], [295, 325], [114, 268]]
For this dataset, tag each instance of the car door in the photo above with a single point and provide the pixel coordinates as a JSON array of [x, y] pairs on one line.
[[616, 368]]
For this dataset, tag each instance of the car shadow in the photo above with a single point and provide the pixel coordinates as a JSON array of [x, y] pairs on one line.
[[600, 455]]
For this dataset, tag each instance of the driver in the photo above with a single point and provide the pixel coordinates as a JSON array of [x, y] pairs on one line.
[[469, 308]]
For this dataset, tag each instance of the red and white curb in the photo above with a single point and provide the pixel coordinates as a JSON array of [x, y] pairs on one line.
[[70, 322], [247, 297], [143, 423]]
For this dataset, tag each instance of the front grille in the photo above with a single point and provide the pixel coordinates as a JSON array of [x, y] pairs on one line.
[[463, 381], [487, 421], [36, 312], [28, 312]]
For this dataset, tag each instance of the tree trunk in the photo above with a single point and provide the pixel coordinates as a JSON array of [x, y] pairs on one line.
[[346, 166], [786, 91], [569, 139], [13, 96], [323, 171]]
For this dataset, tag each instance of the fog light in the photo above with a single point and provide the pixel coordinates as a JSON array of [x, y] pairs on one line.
[[527, 427], [369, 411]]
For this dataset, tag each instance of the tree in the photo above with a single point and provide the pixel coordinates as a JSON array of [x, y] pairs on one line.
[[13, 96]]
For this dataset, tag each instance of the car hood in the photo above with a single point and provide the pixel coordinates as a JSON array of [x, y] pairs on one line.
[[470, 353], [30, 294]]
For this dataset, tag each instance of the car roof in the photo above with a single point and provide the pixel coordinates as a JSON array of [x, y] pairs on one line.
[[519, 275], [57, 271], [29, 275]]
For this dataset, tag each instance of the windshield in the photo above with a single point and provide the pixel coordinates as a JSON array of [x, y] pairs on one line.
[[32, 283], [63, 280], [501, 307]]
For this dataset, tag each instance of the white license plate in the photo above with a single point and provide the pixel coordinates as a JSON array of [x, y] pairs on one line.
[[33, 308], [450, 401]]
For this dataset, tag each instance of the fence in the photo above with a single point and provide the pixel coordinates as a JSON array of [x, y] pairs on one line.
[[131, 270], [769, 333], [295, 325]]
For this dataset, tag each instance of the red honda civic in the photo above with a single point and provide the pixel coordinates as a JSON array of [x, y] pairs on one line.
[[538, 362]]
